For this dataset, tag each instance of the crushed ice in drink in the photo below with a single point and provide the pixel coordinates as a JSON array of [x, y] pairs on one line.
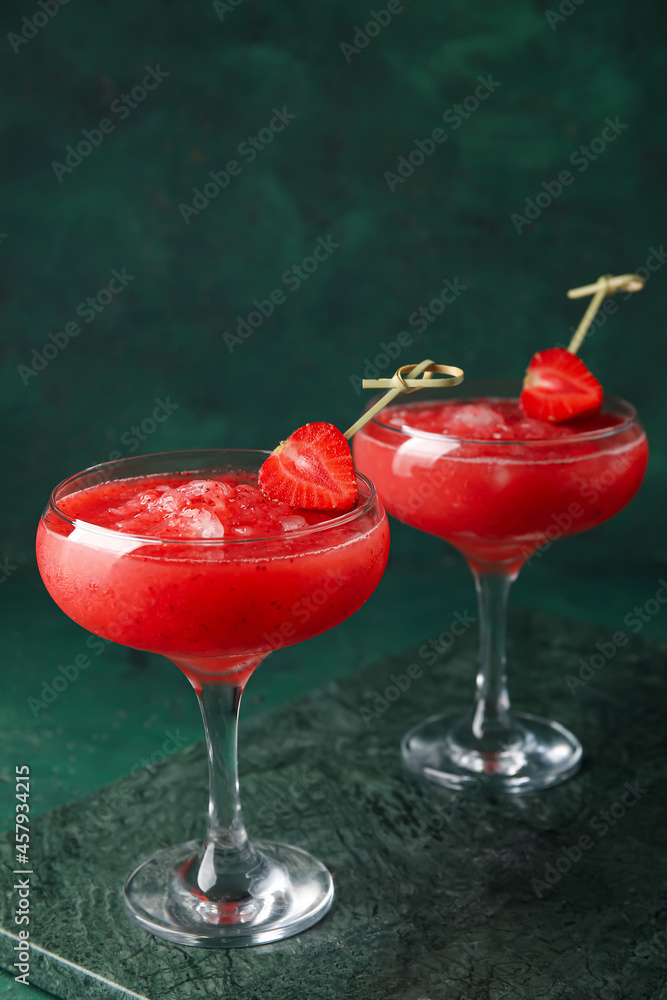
[[476, 420], [229, 508], [481, 420], [293, 523]]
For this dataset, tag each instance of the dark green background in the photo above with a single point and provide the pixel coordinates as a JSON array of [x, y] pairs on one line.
[[322, 176]]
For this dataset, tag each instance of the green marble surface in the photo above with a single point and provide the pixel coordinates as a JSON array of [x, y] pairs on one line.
[[438, 895]]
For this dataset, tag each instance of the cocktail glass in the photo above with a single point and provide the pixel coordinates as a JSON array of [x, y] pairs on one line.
[[498, 501], [216, 608]]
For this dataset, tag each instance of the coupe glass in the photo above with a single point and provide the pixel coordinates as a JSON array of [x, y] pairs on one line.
[[216, 608], [498, 501]]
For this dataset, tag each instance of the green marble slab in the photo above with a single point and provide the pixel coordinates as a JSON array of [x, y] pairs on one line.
[[439, 896]]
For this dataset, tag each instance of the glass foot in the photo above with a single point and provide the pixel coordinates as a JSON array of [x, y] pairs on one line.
[[532, 753], [282, 891]]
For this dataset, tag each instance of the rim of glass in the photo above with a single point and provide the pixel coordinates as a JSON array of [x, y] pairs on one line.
[[620, 407], [350, 515]]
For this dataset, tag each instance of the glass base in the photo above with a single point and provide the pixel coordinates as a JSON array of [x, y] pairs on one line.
[[284, 892], [530, 754]]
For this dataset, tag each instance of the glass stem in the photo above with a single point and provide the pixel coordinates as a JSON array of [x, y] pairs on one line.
[[219, 704], [226, 850], [492, 704]]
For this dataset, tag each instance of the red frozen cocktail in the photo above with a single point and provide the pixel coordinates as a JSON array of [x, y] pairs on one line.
[[183, 554], [496, 483], [479, 472], [206, 571]]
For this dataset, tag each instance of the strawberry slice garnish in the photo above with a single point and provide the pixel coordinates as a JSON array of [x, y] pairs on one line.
[[312, 469], [558, 386]]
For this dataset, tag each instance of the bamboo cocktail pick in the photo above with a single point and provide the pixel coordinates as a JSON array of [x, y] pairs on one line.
[[398, 383], [607, 284]]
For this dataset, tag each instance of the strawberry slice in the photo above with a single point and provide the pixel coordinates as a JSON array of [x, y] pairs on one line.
[[312, 469], [558, 386]]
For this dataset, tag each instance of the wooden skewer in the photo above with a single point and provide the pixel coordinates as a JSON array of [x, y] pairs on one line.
[[629, 282], [398, 384], [607, 284]]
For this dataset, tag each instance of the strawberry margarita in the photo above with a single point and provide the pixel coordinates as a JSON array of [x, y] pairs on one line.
[[206, 571], [182, 554], [497, 483]]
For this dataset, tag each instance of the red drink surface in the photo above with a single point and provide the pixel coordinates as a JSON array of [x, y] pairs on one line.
[[497, 484], [219, 575]]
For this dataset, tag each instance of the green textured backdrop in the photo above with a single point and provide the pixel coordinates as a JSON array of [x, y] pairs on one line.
[[555, 80], [323, 175]]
